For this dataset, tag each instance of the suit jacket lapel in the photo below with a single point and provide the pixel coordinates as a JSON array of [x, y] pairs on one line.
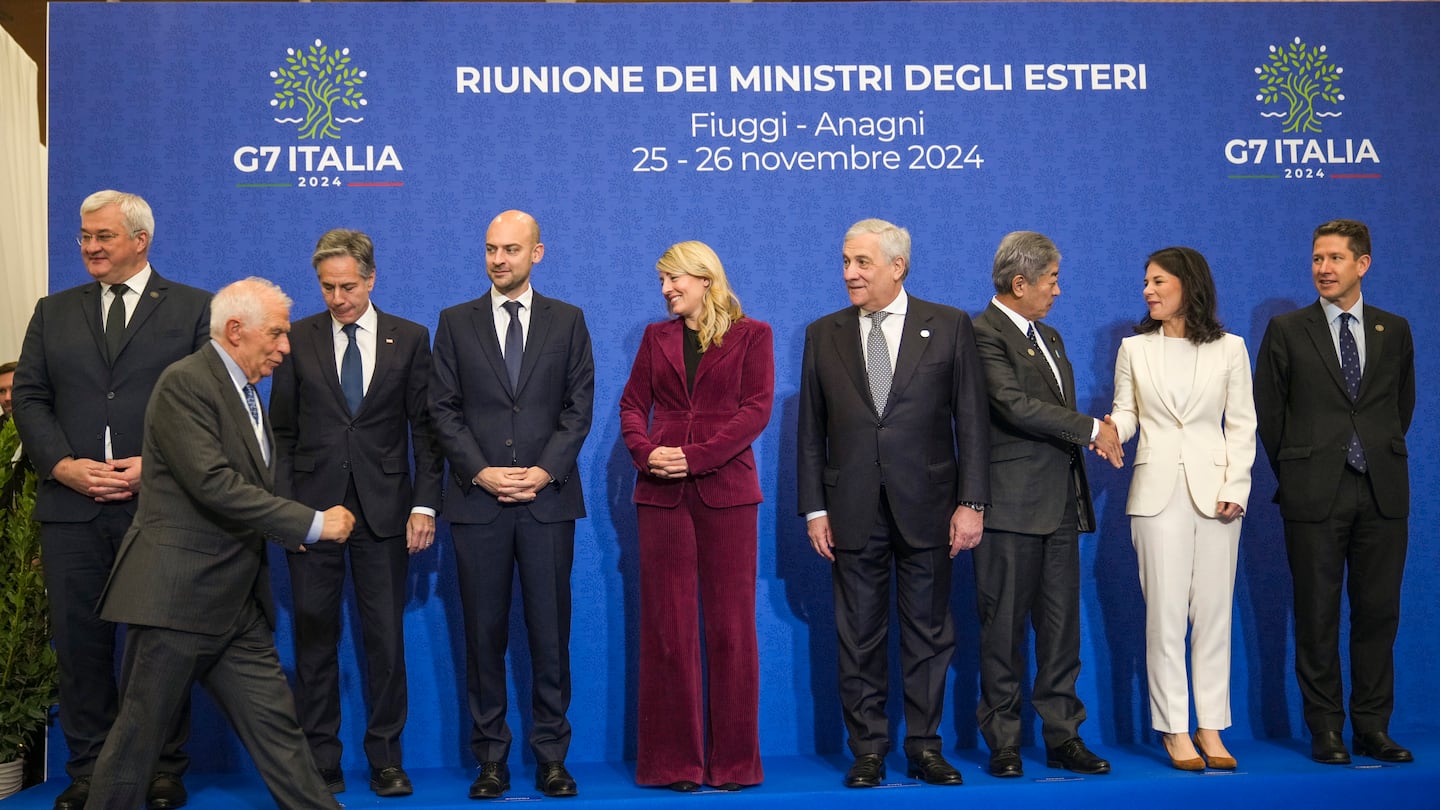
[[1046, 336], [385, 349], [1209, 359], [1319, 331], [712, 357], [914, 340], [90, 306], [239, 415], [671, 338], [150, 300], [324, 346], [1154, 355], [1374, 347], [846, 339], [534, 340], [483, 321]]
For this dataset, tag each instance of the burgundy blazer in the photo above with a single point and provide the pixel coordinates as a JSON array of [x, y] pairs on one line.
[[714, 424]]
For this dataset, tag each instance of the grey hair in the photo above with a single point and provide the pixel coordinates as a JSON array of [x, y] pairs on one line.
[[244, 301], [894, 240], [134, 211], [1022, 253]]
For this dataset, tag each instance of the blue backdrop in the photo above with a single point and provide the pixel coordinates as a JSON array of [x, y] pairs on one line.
[[766, 130]]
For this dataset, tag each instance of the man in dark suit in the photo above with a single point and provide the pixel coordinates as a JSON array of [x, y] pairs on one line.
[[512, 393], [893, 471], [1029, 564], [329, 450], [191, 578], [89, 361], [1334, 393]]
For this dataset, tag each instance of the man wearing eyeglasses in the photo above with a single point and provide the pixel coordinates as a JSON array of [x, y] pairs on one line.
[[90, 358]]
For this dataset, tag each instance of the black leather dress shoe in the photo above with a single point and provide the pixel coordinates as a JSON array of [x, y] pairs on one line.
[[334, 779], [931, 767], [493, 781], [1328, 748], [1073, 756], [730, 787], [684, 786], [1378, 745], [554, 781], [74, 796], [867, 771], [166, 792], [1005, 762], [391, 781]]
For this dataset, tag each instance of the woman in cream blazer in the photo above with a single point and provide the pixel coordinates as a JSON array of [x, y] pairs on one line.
[[1184, 385]]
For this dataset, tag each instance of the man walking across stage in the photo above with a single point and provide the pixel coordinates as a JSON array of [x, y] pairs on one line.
[[191, 578], [350, 408], [893, 473], [1029, 565], [512, 394], [91, 356], [1334, 393]]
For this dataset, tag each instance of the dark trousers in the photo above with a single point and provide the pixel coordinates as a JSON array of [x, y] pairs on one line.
[[697, 561], [486, 556], [1020, 576], [240, 670], [1357, 537], [78, 558], [378, 568], [861, 579]]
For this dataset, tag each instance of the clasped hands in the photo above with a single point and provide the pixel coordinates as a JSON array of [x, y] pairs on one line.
[[668, 462], [105, 481], [1107, 443], [513, 484]]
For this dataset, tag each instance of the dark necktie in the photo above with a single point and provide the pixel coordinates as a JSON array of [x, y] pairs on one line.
[[1350, 370], [115, 322], [1035, 342], [877, 361], [514, 343], [352, 373]]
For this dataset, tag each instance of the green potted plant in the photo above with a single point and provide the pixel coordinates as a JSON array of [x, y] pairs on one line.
[[27, 661]]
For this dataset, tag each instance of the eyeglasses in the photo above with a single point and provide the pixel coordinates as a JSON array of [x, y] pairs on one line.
[[104, 238]]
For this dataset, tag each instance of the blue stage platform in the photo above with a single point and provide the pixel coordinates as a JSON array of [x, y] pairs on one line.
[[1274, 774]]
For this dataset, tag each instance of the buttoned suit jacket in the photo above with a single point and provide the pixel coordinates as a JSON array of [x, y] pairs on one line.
[[1213, 435], [67, 391], [1034, 429], [1306, 415], [320, 445], [195, 552], [930, 447], [714, 424], [481, 421]]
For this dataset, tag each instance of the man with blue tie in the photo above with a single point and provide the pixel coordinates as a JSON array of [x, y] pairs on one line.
[[1334, 393], [351, 409], [512, 395], [191, 577], [91, 356]]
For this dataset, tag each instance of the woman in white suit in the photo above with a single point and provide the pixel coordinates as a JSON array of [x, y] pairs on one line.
[[1184, 384]]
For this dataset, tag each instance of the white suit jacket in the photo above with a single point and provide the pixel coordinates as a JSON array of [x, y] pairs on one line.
[[1213, 435]]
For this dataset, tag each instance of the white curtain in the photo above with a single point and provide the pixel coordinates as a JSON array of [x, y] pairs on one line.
[[24, 260]]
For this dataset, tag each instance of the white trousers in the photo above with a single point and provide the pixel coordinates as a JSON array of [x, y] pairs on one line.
[[1187, 574]]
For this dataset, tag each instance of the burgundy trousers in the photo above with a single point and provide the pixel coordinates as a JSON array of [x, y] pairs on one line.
[[694, 561]]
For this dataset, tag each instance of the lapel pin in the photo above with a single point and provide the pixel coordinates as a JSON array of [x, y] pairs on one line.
[[1030, 352], [925, 333], [154, 294], [1379, 327], [389, 340]]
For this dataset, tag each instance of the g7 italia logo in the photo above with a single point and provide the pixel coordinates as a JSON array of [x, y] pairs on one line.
[[317, 89], [1299, 87]]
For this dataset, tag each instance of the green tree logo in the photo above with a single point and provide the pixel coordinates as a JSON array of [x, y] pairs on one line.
[[1297, 75], [318, 78]]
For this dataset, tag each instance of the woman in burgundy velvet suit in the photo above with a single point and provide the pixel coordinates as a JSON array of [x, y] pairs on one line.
[[699, 394]]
